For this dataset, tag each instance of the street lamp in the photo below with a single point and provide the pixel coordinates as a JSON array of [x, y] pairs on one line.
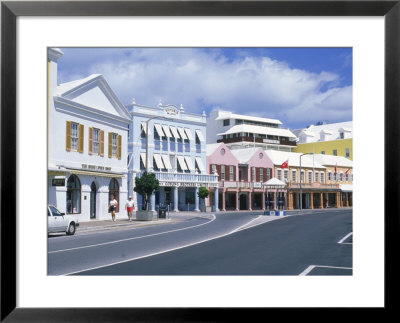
[[301, 192]]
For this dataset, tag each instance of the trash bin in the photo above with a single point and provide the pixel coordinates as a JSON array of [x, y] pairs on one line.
[[162, 212]]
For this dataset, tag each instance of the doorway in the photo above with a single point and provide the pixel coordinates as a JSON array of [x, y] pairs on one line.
[[93, 190], [242, 202]]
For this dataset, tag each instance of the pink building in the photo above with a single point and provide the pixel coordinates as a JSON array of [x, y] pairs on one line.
[[241, 174]]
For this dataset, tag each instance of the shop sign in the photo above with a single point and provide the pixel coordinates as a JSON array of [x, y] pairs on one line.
[[58, 181]]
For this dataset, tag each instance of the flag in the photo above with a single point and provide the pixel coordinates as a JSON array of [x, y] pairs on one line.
[[285, 164], [335, 170]]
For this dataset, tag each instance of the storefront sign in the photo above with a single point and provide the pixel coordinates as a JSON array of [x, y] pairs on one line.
[[95, 167], [58, 181]]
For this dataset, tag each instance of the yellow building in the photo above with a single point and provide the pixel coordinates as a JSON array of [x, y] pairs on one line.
[[328, 139], [340, 147]]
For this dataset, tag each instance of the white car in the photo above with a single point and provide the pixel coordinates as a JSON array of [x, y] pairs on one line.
[[60, 222]]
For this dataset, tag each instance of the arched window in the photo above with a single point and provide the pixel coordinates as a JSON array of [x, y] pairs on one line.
[[73, 195], [113, 189]]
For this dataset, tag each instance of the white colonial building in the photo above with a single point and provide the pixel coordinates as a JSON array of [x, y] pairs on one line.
[[87, 145], [239, 131], [176, 154]]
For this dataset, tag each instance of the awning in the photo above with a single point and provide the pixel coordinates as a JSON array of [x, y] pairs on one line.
[[143, 158], [99, 174], [174, 132], [144, 127], [159, 130], [182, 163], [166, 131], [199, 163], [182, 133], [189, 134], [166, 161], [189, 163], [346, 187], [246, 128], [200, 135], [159, 161]]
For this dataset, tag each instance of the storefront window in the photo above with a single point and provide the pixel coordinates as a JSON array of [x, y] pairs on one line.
[[73, 195]]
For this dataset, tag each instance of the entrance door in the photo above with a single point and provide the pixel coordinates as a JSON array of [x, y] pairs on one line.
[[243, 202], [93, 201]]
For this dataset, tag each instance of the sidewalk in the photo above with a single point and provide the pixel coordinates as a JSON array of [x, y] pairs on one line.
[[97, 225]]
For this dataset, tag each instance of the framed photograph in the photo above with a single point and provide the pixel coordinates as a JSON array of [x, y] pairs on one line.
[[370, 28]]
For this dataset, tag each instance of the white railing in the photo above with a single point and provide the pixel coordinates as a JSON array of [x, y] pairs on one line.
[[241, 184], [185, 178]]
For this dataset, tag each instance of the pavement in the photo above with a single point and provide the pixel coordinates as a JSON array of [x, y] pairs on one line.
[[172, 217]]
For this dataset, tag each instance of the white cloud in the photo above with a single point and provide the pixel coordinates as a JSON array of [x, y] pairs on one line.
[[206, 79]]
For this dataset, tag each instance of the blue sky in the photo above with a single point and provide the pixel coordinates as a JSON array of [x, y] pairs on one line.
[[298, 86]]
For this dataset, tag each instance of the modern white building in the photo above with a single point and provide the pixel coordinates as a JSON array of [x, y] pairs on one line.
[[87, 145], [176, 154], [241, 131]]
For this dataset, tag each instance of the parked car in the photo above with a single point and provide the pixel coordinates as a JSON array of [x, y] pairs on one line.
[[60, 222]]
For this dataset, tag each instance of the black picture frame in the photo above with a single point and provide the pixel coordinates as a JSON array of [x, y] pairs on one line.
[[10, 10]]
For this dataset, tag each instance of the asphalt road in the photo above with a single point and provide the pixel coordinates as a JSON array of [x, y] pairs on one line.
[[305, 244]]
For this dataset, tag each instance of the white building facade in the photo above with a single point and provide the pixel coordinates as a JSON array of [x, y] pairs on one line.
[[87, 145], [176, 154], [240, 131]]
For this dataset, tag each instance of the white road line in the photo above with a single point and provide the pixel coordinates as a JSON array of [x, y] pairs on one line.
[[311, 267], [152, 254], [341, 241], [134, 238]]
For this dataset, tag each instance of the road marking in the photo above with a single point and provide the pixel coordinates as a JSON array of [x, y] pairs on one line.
[[134, 238], [152, 254], [311, 267], [341, 241]]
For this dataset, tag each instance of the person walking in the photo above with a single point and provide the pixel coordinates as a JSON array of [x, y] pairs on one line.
[[129, 206], [112, 206]]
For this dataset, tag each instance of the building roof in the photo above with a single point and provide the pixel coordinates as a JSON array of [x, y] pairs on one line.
[[330, 160], [313, 132], [229, 115], [258, 130], [243, 155], [210, 148], [279, 157], [274, 182]]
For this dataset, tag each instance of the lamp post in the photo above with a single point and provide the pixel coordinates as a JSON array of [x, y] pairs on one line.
[[301, 191]]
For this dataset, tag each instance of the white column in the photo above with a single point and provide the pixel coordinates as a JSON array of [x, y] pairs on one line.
[[153, 202], [175, 189], [216, 199], [196, 199]]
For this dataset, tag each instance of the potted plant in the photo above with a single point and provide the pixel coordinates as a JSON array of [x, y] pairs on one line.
[[146, 185], [203, 193]]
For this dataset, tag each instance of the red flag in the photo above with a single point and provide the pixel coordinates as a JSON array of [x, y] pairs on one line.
[[285, 164], [335, 170]]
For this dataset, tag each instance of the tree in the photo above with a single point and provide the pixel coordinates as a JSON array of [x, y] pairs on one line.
[[146, 185], [203, 193]]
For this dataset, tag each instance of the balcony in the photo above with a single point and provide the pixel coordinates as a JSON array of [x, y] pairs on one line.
[[240, 185], [313, 185], [185, 179], [258, 140]]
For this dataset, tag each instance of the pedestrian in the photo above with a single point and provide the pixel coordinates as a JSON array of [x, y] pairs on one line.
[[112, 206], [129, 206]]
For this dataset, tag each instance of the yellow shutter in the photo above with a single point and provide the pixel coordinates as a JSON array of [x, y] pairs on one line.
[[101, 145], [119, 144], [80, 138], [68, 136], [90, 140], [109, 144]]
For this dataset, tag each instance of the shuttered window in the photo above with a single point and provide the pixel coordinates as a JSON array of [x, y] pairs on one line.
[[114, 145], [74, 136]]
